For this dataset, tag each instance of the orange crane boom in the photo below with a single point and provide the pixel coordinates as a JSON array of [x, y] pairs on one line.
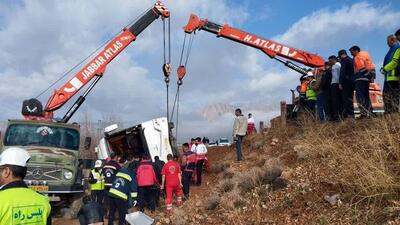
[[273, 49], [94, 69]]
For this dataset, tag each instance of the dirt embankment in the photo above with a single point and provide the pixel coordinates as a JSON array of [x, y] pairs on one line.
[[330, 173]]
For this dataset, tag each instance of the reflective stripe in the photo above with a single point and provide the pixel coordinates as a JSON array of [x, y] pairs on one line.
[[134, 194], [118, 193], [125, 176], [109, 166]]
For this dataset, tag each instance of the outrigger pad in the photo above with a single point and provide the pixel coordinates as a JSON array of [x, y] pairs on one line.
[[32, 107]]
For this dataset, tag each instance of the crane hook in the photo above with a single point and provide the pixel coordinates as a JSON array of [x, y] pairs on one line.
[[181, 71], [167, 69]]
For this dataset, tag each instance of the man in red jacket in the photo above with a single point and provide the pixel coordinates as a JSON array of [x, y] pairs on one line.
[[172, 181], [146, 179]]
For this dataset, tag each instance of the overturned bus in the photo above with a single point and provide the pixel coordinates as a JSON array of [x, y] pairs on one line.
[[152, 138]]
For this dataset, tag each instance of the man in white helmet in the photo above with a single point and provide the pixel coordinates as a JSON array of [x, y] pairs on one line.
[[18, 203], [96, 180]]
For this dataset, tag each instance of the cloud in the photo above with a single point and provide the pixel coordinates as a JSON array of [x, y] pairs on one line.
[[325, 28], [42, 39]]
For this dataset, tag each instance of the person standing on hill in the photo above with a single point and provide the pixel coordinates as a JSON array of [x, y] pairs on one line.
[[110, 169], [336, 93], [201, 154], [188, 167], [172, 181], [192, 145], [325, 87], [391, 70], [251, 124], [346, 83], [123, 191], [146, 179], [158, 165], [364, 73], [239, 131]]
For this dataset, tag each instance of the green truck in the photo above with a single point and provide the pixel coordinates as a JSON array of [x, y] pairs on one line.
[[55, 168]]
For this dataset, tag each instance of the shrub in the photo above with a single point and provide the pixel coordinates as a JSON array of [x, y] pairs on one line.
[[226, 186], [212, 202]]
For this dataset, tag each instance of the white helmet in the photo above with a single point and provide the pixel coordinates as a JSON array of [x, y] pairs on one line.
[[98, 163], [14, 156]]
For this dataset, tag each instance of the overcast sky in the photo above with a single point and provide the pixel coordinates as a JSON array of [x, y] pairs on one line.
[[39, 40]]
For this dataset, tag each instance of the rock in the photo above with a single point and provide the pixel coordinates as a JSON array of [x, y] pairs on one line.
[[270, 174], [67, 213], [165, 221], [278, 184], [333, 199], [198, 204], [300, 152]]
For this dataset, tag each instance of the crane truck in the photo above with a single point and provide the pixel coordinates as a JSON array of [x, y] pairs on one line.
[[277, 51], [54, 146]]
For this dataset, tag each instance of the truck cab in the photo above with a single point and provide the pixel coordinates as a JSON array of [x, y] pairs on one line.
[[53, 168]]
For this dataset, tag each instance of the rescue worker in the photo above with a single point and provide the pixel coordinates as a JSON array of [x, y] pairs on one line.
[[123, 191], [135, 163], [172, 181], [325, 86], [320, 96], [346, 83], [201, 154], [397, 34], [96, 181], [91, 213], [188, 167], [110, 168], [192, 145], [18, 203], [311, 95], [364, 73], [158, 165], [239, 131], [146, 178], [302, 91], [336, 93], [251, 124], [391, 70]]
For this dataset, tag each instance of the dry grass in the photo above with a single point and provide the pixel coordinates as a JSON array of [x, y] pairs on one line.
[[212, 202], [226, 186], [362, 155], [228, 173]]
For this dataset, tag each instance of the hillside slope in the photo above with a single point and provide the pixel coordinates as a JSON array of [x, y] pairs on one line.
[[331, 173]]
